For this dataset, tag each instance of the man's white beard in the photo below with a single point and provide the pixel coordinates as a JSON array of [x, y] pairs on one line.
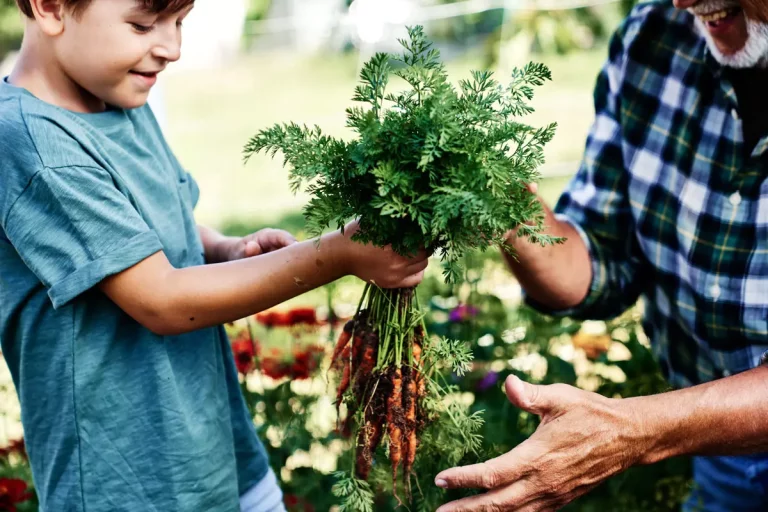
[[755, 52]]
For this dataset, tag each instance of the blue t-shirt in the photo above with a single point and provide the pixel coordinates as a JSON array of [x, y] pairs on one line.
[[116, 418]]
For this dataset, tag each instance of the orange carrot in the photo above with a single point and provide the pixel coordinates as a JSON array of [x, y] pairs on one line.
[[345, 378], [366, 365], [357, 350], [416, 354], [410, 442], [368, 440], [394, 422], [340, 344]]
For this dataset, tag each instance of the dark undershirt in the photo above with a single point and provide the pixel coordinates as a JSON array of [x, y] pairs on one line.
[[751, 87]]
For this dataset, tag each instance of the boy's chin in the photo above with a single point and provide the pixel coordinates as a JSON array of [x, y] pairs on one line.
[[131, 102]]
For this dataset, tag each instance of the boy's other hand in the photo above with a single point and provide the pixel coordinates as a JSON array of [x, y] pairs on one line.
[[261, 242], [382, 266]]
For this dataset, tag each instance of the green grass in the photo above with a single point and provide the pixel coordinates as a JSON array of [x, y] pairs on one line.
[[212, 114]]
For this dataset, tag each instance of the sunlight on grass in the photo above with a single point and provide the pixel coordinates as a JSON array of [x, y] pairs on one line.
[[212, 115]]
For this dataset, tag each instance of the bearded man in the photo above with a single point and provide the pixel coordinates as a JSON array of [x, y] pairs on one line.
[[670, 205]]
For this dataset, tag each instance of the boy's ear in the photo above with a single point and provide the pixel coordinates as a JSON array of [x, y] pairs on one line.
[[49, 15]]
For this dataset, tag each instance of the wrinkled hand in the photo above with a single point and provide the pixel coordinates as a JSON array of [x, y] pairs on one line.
[[261, 242], [583, 439], [383, 266]]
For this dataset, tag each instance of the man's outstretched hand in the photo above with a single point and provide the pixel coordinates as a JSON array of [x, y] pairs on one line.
[[583, 439]]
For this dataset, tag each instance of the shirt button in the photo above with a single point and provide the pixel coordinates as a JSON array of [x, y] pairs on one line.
[[764, 359], [715, 292], [735, 114], [735, 199], [726, 373]]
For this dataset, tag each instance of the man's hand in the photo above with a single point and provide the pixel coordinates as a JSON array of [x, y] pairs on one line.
[[583, 439]]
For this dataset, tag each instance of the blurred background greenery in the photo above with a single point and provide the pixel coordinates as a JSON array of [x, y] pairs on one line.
[[210, 110]]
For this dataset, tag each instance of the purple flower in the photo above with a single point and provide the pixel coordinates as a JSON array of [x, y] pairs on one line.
[[487, 382], [463, 313]]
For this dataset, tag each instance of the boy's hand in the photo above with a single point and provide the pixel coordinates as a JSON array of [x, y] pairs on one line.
[[383, 267], [261, 242]]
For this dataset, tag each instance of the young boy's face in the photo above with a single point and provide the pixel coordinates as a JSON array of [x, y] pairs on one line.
[[114, 49]]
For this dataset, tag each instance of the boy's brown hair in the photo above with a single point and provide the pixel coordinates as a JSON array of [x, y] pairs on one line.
[[153, 6]]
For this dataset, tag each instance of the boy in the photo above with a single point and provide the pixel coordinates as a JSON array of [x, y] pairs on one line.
[[111, 297]]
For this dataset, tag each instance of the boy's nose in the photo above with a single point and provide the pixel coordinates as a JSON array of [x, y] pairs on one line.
[[169, 49], [170, 52], [685, 4]]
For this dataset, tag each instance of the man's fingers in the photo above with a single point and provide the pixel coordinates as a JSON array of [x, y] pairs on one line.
[[533, 188], [504, 498], [537, 399], [486, 475]]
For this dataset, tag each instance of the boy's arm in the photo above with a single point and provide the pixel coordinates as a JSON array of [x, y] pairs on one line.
[[220, 248], [171, 301]]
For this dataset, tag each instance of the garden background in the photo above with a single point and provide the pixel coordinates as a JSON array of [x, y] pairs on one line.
[[249, 64]]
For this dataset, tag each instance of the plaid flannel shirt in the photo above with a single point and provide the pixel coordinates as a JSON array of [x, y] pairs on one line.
[[670, 205]]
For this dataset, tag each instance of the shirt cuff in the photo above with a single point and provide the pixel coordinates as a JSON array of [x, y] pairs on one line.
[[134, 251], [596, 286]]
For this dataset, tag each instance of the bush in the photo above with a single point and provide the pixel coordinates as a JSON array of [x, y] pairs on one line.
[[11, 27]]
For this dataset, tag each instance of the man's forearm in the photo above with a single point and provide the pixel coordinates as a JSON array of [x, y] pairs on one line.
[[555, 276], [725, 417]]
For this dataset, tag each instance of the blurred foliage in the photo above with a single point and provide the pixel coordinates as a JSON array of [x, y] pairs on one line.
[[627, 5], [258, 9], [11, 27], [558, 32]]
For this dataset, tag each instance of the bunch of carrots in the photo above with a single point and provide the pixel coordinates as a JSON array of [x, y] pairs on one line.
[[379, 358]]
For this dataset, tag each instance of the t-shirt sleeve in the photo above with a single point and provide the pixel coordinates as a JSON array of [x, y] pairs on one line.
[[194, 189], [73, 228]]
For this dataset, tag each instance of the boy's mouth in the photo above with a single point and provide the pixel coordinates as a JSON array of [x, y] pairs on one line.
[[148, 78]]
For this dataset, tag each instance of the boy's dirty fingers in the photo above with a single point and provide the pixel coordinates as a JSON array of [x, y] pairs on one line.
[[418, 266], [274, 239], [265, 241], [412, 281]]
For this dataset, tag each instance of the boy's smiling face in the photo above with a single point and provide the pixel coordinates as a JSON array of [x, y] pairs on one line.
[[114, 49]]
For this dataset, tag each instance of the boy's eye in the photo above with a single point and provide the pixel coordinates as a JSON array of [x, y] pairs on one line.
[[142, 29]]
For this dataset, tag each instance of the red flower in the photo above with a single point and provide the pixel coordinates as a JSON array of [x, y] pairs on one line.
[[18, 446], [306, 362], [274, 368], [306, 316], [244, 352], [295, 504], [273, 319], [12, 492]]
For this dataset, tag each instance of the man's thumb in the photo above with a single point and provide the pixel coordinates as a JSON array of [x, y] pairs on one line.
[[528, 397]]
